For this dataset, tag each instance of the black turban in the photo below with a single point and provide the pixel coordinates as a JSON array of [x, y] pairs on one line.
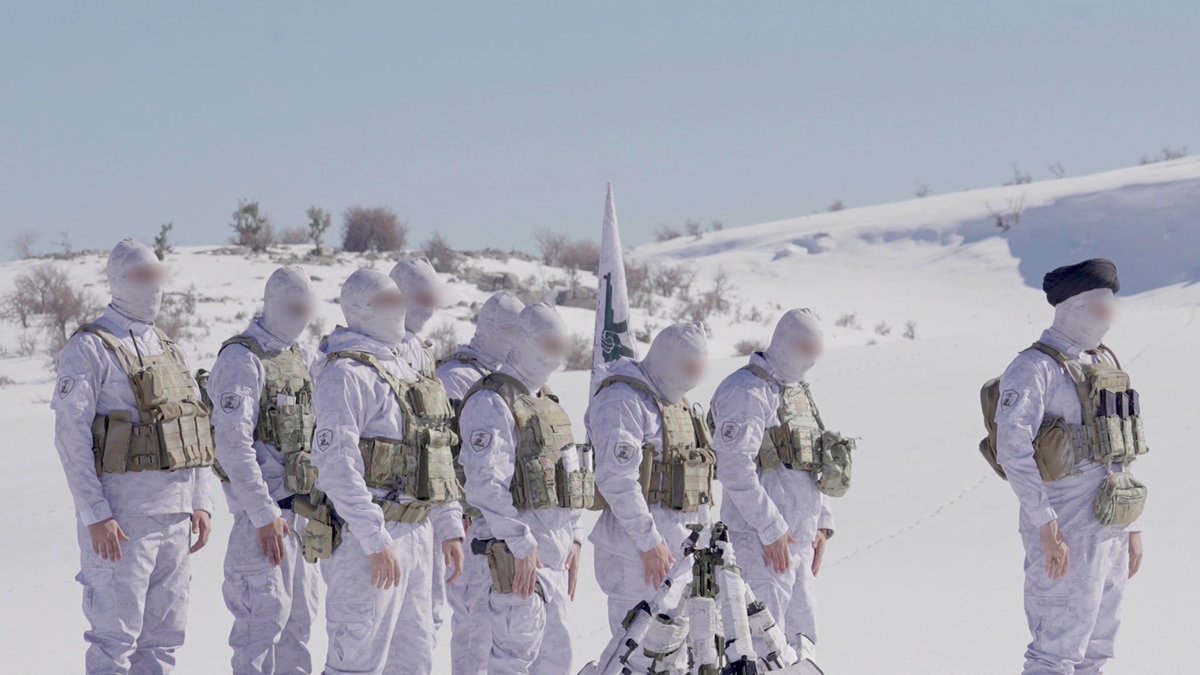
[[1067, 282]]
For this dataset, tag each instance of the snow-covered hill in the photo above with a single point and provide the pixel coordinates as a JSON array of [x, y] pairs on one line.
[[924, 575]]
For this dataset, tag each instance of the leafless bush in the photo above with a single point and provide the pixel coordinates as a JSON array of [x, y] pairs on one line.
[[252, 228], [65, 248], [177, 316], [1010, 216], [444, 339], [848, 321], [372, 229], [316, 328], [46, 292], [1019, 177], [910, 330], [748, 347], [26, 344], [837, 205], [922, 190], [644, 333], [550, 244], [666, 233], [319, 221], [716, 300], [579, 354], [161, 244], [717, 226], [1165, 155], [883, 328], [672, 281], [23, 243], [440, 254], [693, 227], [582, 254], [294, 235], [637, 281], [1056, 169]]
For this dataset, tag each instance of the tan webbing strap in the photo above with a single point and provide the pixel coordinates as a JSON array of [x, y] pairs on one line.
[[463, 357], [127, 360], [246, 341], [1075, 372], [639, 385], [762, 374]]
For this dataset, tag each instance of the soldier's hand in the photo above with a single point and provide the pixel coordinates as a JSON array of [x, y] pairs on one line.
[[777, 555], [1058, 556], [385, 569], [270, 539], [818, 551], [1135, 553], [573, 569], [107, 537], [201, 528], [656, 565], [525, 578], [452, 554]]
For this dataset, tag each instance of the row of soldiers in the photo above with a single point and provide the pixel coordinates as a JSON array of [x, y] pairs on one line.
[[380, 464]]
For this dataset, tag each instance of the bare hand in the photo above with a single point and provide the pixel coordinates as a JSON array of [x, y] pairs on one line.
[[385, 569], [525, 577], [270, 539], [818, 551], [1058, 556], [1135, 553], [201, 528], [572, 569], [777, 555], [107, 537], [452, 554], [656, 565]]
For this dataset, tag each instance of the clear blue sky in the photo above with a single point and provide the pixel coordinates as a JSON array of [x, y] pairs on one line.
[[488, 120]]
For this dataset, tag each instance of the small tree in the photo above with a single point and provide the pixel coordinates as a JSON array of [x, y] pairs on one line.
[[23, 243], [910, 330], [372, 229], [579, 353], [440, 254], [692, 227], [297, 234], [666, 233], [922, 191], [64, 244], [252, 228], [161, 246], [319, 221], [1056, 169], [1019, 176], [550, 244], [837, 205], [444, 339], [1009, 216]]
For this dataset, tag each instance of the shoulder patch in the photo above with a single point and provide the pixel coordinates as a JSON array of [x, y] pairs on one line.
[[323, 439], [481, 439], [65, 386], [624, 452], [230, 401], [730, 430], [1009, 398]]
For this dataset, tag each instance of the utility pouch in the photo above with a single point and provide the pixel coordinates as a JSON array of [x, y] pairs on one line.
[[689, 477], [575, 488], [1054, 450], [502, 565], [1121, 500], [151, 383], [538, 483], [322, 533], [117, 438], [803, 441], [836, 464], [386, 463], [299, 475], [292, 427], [185, 437]]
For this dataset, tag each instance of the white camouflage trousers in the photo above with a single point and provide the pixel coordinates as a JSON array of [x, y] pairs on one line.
[[362, 621], [530, 635], [791, 597], [273, 607], [470, 624], [137, 608]]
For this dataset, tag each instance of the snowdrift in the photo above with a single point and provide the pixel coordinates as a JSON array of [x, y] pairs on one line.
[[924, 573]]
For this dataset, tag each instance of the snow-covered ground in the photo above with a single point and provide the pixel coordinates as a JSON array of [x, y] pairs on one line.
[[924, 574]]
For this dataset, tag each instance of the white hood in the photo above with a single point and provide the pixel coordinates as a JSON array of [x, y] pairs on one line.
[[675, 346], [137, 301], [527, 360], [786, 362], [411, 277], [498, 326], [358, 292], [285, 286]]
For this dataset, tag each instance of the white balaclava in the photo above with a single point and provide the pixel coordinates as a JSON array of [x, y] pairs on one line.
[[527, 358], [137, 300], [285, 287], [498, 326], [358, 293], [795, 325], [1076, 319], [412, 277], [666, 363]]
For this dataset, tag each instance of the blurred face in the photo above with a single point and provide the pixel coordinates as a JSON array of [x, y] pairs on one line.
[[388, 301], [298, 309], [427, 297], [692, 370], [146, 275], [1103, 310], [552, 345], [806, 349]]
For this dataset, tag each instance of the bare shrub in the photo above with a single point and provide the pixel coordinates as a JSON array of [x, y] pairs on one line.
[[672, 281], [837, 205], [922, 190], [717, 226], [177, 315], [582, 254], [440, 254], [372, 229], [46, 292], [1019, 177], [637, 281], [23, 243], [910, 330], [1010, 215], [316, 328], [692, 227], [666, 233], [161, 244], [883, 328], [65, 247], [1165, 155], [319, 221], [848, 321], [26, 344], [1056, 169], [550, 244], [6, 381], [297, 234], [748, 347], [252, 228], [716, 300], [579, 354], [444, 339]]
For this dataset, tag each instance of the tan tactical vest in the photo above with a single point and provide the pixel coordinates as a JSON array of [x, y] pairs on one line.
[[681, 478], [1111, 429], [800, 441], [173, 432], [541, 477], [285, 415], [421, 464]]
